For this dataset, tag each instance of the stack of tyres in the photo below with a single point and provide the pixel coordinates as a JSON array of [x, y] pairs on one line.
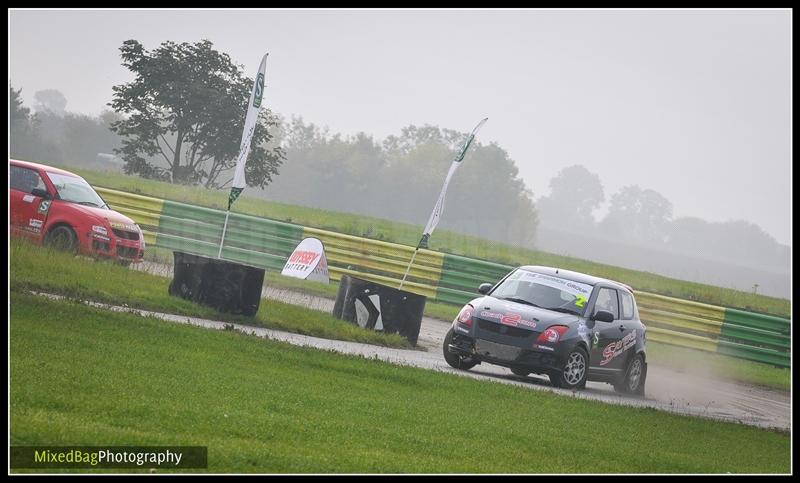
[[225, 286], [379, 307]]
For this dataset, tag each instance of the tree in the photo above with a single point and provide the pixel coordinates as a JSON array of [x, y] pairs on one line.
[[50, 100], [638, 215], [25, 139], [575, 192], [184, 114]]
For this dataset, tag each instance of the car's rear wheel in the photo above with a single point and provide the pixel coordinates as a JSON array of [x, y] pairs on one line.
[[63, 238], [456, 360], [573, 374], [633, 382], [520, 372]]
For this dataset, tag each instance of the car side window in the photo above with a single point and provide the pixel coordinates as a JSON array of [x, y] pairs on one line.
[[627, 305], [607, 300], [26, 180]]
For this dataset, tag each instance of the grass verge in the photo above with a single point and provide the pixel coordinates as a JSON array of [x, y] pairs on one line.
[[86, 376], [41, 269]]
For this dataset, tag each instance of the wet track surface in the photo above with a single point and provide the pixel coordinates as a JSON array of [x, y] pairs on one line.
[[666, 389]]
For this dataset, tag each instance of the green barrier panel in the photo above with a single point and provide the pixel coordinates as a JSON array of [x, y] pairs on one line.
[[466, 274], [757, 321], [758, 354], [455, 297], [756, 337]]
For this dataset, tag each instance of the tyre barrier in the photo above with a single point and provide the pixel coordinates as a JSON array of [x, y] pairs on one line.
[[219, 284], [377, 307]]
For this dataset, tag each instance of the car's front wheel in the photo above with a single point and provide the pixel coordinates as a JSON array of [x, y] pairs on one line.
[[63, 238], [633, 382], [573, 374], [456, 360]]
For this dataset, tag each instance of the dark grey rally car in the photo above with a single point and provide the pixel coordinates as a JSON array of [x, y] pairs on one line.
[[570, 326]]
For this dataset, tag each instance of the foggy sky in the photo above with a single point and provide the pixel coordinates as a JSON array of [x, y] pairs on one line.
[[695, 105]]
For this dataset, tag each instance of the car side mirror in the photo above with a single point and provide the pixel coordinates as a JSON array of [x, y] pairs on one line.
[[40, 193], [603, 316], [484, 288]]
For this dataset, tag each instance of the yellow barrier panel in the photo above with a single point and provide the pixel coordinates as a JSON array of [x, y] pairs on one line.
[[413, 287], [143, 203], [682, 321], [345, 258], [365, 245], [696, 309], [680, 339]]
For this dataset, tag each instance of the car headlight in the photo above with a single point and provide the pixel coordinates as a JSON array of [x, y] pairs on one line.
[[100, 230]]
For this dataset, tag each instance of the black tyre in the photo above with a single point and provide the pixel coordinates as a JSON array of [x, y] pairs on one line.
[[520, 372], [573, 374], [635, 376], [455, 360], [63, 238]]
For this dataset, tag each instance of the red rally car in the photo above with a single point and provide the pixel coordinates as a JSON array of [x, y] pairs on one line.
[[60, 209]]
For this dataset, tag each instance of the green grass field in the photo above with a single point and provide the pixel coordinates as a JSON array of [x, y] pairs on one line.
[[40, 269], [445, 241], [83, 376]]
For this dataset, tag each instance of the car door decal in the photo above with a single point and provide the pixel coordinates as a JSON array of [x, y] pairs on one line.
[[44, 206], [614, 349], [35, 225]]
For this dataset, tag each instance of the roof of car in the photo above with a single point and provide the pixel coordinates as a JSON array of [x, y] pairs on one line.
[[44, 167], [574, 276]]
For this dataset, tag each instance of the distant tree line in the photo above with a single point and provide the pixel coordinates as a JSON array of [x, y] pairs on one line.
[[400, 177], [643, 217], [51, 134]]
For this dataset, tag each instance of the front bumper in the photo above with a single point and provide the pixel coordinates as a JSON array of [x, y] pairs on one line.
[[535, 359], [116, 248]]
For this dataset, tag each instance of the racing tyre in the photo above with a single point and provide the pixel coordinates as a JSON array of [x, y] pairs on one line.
[[62, 238], [573, 374], [519, 372], [633, 382], [455, 360]]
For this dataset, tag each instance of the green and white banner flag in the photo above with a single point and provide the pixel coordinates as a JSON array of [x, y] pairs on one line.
[[253, 107], [437, 210]]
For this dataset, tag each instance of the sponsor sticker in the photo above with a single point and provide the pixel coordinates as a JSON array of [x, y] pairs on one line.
[[491, 315], [44, 206], [123, 226], [580, 291], [512, 319], [614, 349], [28, 198]]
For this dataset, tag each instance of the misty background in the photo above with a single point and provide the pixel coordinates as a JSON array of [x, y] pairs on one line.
[[657, 142]]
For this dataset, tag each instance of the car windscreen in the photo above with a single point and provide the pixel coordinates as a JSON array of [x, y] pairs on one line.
[[545, 291], [75, 190]]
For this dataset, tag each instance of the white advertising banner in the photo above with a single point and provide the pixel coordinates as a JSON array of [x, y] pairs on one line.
[[308, 262]]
